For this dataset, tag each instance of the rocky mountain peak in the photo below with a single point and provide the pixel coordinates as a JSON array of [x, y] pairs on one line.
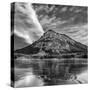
[[55, 43]]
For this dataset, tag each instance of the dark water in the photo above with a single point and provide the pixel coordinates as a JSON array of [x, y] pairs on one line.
[[41, 72]]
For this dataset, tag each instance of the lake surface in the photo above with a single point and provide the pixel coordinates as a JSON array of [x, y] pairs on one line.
[[45, 72]]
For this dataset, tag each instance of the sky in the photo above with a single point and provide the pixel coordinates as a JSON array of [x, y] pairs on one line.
[[31, 21], [70, 20]]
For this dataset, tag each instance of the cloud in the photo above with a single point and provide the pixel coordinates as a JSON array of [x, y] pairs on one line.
[[26, 24], [77, 32], [70, 20]]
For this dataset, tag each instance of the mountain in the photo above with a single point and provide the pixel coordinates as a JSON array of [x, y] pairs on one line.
[[54, 43]]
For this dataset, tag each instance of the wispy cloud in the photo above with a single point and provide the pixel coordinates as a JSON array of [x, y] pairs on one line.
[[26, 24], [70, 20], [76, 32]]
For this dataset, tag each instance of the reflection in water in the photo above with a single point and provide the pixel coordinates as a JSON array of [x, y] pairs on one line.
[[29, 80], [53, 72]]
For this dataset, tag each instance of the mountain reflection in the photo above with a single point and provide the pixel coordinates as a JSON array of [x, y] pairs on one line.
[[50, 71]]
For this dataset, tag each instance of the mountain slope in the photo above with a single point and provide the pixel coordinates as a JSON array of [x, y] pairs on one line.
[[54, 43]]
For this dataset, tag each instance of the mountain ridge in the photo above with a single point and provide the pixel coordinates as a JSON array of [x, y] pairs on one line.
[[54, 43]]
